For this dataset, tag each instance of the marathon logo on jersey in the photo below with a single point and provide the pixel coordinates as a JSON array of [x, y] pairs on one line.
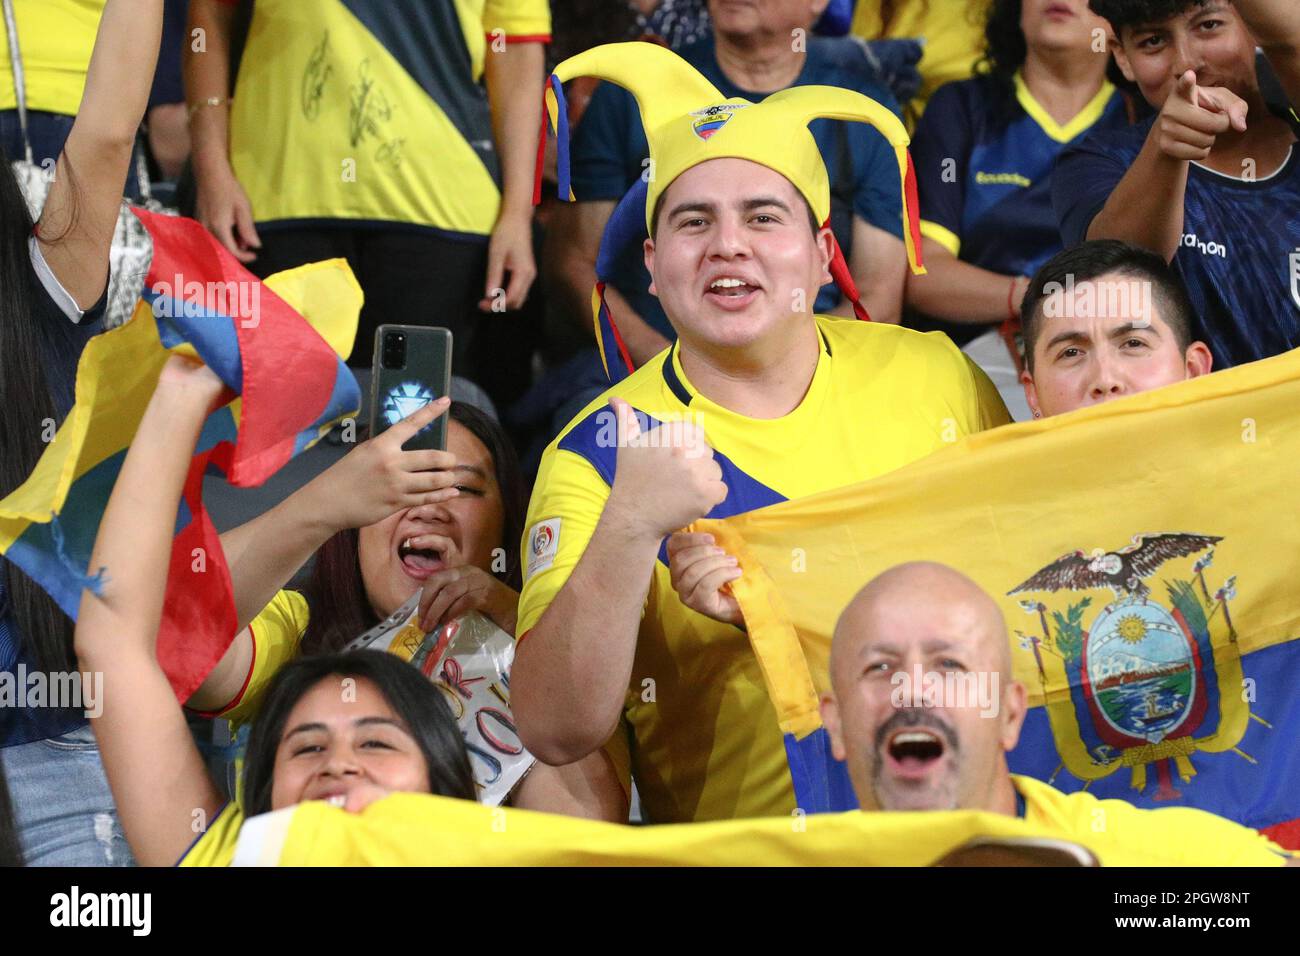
[[1295, 278], [708, 121], [543, 545], [75, 908], [1192, 241]]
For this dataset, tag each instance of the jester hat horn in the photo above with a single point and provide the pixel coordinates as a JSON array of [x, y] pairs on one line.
[[687, 121]]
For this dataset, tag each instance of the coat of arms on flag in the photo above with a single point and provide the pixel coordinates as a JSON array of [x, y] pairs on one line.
[[1156, 631], [1144, 679]]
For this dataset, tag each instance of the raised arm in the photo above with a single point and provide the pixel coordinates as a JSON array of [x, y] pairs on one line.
[[587, 635], [76, 226], [1276, 27], [514, 86], [159, 783], [1146, 207], [374, 480], [371, 482]]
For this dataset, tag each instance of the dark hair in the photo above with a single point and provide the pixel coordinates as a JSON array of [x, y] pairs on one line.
[[578, 25], [42, 627], [412, 696], [1091, 260], [1131, 13], [335, 592], [11, 851], [1005, 50]]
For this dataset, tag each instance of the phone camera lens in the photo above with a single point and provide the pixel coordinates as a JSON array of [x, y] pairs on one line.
[[394, 350]]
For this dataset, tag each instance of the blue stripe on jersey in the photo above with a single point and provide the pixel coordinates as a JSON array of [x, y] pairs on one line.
[[595, 439], [429, 42]]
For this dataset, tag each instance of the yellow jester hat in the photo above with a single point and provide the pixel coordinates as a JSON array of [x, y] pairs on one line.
[[688, 122]]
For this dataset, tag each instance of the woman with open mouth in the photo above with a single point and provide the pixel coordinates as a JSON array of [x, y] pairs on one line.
[[460, 547], [456, 541]]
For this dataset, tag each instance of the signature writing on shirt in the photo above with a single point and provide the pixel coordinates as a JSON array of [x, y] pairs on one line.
[[370, 106], [314, 78], [391, 152], [370, 110]]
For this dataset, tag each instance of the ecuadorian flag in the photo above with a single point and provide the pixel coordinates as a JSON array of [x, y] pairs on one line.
[[1145, 555], [291, 385]]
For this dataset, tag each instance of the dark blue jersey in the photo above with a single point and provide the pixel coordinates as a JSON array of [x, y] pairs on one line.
[[609, 153], [984, 171], [1240, 251]]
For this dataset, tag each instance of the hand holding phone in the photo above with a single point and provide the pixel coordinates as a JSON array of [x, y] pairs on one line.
[[412, 367]]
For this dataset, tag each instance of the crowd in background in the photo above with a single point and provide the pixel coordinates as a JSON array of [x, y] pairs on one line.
[[1054, 141]]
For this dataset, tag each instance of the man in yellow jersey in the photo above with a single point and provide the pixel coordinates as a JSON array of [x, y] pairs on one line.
[[923, 710], [766, 402]]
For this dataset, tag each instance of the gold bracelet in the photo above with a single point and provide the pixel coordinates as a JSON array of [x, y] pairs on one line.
[[210, 101]]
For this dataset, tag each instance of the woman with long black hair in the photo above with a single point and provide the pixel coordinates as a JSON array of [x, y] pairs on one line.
[[53, 276]]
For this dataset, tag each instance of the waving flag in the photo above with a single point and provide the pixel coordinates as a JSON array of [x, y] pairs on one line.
[[291, 385], [1144, 553]]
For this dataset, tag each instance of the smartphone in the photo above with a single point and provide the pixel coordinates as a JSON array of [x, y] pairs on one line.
[[412, 367]]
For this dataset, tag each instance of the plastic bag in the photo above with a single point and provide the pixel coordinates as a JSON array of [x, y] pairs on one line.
[[469, 661]]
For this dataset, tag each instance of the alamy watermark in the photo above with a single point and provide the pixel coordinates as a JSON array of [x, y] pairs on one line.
[[1108, 298], [951, 690], [194, 299], [133, 911], [674, 430], [71, 690]]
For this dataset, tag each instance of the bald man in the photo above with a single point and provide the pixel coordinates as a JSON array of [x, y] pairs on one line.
[[912, 622], [923, 710]]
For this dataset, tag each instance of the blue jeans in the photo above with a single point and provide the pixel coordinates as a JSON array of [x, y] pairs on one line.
[[63, 809]]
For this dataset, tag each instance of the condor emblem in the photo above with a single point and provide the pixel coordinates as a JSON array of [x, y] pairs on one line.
[[1150, 679]]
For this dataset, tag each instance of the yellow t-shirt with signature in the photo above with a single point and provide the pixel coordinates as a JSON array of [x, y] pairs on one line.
[[372, 111]]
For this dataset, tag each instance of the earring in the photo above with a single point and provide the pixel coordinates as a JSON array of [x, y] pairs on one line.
[[1038, 414]]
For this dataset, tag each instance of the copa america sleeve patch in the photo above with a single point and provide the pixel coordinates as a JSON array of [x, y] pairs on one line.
[[543, 544]]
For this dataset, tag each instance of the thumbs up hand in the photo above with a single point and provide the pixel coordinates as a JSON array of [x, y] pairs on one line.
[[665, 477]]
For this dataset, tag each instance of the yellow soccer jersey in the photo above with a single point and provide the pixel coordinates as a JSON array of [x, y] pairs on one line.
[[55, 38], [1123, 835], [215, 846], [701, 735], [372, 111], [412, 829], [276, 634]]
